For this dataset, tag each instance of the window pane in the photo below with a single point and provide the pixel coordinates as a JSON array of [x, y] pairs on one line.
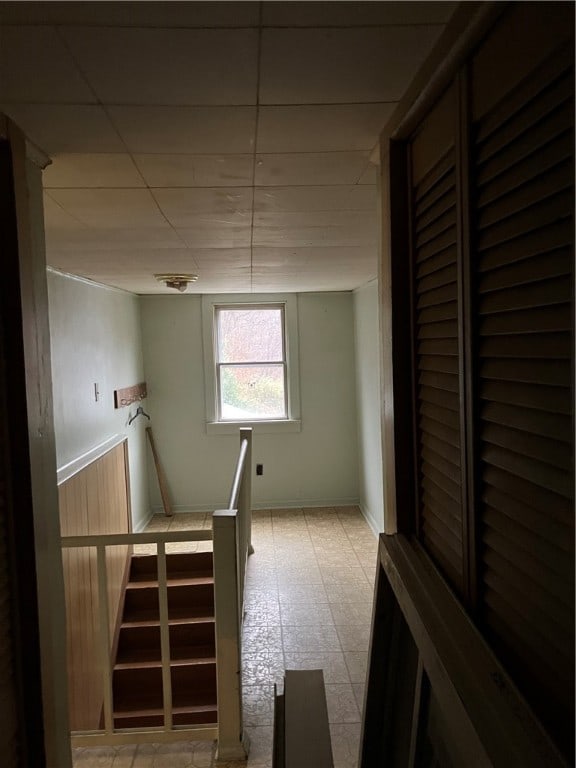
[[252, 392], [250, 335]]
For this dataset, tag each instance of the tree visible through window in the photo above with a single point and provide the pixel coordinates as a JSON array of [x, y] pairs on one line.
[[251, 362]]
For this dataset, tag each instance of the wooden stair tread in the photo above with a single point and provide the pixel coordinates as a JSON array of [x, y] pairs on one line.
[[194, 660], [172, 581], [150, 619], [176, 710]]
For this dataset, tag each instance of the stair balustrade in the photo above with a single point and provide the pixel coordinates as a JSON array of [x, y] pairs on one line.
[[232, 544], [171, 720]]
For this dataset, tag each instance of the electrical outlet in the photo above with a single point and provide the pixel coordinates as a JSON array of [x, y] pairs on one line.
[[259, 469]]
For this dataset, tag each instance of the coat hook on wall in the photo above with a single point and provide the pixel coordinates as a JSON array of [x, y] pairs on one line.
[[139, 412]]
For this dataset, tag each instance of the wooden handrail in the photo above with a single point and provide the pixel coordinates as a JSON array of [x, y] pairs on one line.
[[238, 475]]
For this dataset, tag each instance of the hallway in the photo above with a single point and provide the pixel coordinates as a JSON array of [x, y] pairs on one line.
[[308, 605]]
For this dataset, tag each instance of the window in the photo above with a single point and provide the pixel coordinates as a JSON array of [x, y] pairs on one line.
[[251, 363]]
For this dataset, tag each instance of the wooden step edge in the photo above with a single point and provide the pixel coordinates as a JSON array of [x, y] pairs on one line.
[[191, 661], [151, 711], [206, 619], [189, 581], [190, 573]]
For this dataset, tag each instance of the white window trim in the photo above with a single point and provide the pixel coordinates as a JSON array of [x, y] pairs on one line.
[[262, 426]]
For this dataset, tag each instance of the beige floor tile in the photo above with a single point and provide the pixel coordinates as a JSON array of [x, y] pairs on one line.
[[332, 574], [307, 593], [187, 520], [352, 614], [332, 664], [310, 639], [341, 702], [258, 705], [260, 750], [357, 662], [345, 745], [158, 523], [349, 593], [262, 614], [353, 637], [306, 614], [359, 689], [264, 668], [259, 638], [291, 622], [96, 757]]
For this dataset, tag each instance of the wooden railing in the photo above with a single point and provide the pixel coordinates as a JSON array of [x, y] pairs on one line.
[[231, 537], [232, 544], [108, 734]]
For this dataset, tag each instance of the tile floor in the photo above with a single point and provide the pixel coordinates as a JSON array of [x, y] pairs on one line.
[[308, 606]]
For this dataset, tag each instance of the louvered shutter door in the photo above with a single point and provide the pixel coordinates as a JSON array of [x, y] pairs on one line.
[[523, 172], [436, 360]]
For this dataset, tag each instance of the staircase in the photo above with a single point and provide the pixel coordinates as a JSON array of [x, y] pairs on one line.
[[137, 676]]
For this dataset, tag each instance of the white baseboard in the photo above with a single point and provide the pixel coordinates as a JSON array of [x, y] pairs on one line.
[[141, 525], [297, 503], [375, 527], [289, 504]]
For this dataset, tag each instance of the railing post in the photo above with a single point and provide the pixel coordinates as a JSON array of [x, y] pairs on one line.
[[104, 637], [231, 743], [164, 635], [245, 502]]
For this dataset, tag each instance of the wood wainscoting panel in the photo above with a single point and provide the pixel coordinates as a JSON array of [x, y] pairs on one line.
[[93, 501]]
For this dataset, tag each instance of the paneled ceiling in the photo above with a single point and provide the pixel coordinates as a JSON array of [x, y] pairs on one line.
[[231, 140]]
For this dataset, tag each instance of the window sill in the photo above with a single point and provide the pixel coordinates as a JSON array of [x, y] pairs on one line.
[[259, 427]]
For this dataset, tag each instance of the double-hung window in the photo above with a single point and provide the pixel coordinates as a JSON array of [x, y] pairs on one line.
[[251, 362]]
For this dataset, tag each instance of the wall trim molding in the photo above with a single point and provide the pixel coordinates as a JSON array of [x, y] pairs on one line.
[[141, 525], [66, 471], [291, 504], [370, 519], [88, 281]]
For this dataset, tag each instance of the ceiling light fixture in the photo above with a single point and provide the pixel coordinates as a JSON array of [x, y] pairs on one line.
[[178, 282]]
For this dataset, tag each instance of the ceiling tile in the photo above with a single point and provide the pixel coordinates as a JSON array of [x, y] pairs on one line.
[[35, 66], [55, 217], [326, 228], [58, 128], [313, 168], [324, 128], [195, 170], [110, 208], [217, 235], [108, 239], [303, 281], [339, 218], [153, 260], [93, 170], [236, 281], [167, 66], [217, 260], [355, 14], [187, 207], [314, 198], [341, 65], [186, 130], [295, 257], [149, 14]]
